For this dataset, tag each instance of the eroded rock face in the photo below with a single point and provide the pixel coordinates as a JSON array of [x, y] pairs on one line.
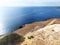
[[48, 35]]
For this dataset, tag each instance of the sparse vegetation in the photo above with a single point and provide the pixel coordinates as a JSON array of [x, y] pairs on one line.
[[30, 37], [11, 39]]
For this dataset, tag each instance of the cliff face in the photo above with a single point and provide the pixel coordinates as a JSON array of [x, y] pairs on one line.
[[17, 37]]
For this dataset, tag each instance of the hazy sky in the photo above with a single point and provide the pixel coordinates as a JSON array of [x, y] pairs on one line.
[[29, 2]]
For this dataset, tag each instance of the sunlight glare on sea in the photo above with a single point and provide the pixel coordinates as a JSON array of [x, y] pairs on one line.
[[2, 30]]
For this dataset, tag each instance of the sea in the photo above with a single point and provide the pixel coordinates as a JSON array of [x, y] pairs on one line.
[[13, 18]]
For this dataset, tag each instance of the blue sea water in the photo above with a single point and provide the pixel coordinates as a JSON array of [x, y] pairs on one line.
[[14, 17]]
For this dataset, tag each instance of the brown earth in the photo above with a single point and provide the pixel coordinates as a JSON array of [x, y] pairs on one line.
[[35, 25]]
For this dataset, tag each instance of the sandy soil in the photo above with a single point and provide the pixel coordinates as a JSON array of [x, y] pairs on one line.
[[35, 25]]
